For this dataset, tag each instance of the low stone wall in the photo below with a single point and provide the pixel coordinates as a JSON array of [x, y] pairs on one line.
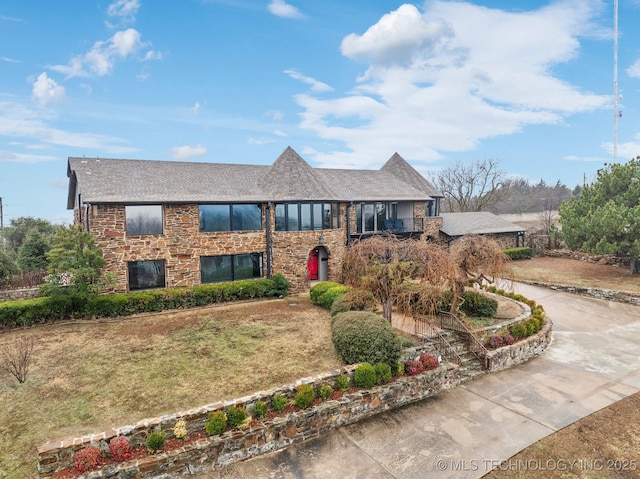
[[522, 351], [265, 436], [608, 259], [627, 297], [483, 334], [23, 293]]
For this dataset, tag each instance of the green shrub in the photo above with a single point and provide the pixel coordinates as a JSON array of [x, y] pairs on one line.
[[260, 408], [278, 403], [399, 369], [518, 331], [327, 299], [325, 391], [236, 415], [216, 424], [360, 336], [383, 373], [319, 289], [478, 305], [304, 396], [342, 383], [354, 300], [365, 376], [155, 441], [518, 253]]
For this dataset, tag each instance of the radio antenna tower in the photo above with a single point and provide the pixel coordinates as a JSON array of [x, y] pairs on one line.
[[616, 113]]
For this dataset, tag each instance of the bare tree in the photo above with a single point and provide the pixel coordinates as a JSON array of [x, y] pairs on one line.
[[382, 264], [15, 357], [481, 258], [473, 186]]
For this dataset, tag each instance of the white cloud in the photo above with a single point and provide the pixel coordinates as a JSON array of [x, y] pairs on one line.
[[275, 115], [196, 107], [101, 58], [634, 70], [280, 133], [444, 79], [316, 85], [184, 152], [280, 8], [17, 121], [46, 91], [124, 10], [22, 158], [9, 60], [153, 55], [260, 141], [586, 159]]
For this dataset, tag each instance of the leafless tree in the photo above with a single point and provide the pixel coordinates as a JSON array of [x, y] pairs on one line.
[[382, 264], [481, 258], [15, 357], [474, 186]]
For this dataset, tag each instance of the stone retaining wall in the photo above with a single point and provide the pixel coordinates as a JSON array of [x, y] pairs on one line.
[[278, 433], [627, 297], [23, 293]]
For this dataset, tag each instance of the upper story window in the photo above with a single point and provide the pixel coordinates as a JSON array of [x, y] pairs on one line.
[[230, 217], [376, 216], [307, 216], [433, 207], [143, 219]]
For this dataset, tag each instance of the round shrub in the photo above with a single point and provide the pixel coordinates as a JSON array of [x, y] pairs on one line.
[[429, 361], [361, 336], [383, 373], [180, 429], [329, 296], [278, 403], [319, 289], [496, 341], [508, 339], [518, 331], [414, 367], [304, 396], [120, 449], [342, 383], [478, 305], [216, 424], [260, 408], [87, 459], [236, 415], [325, 391], [354, 299], [365, 376], [155, 441], [399, 369]]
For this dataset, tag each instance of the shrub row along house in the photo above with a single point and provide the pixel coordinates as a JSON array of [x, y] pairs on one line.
[[169, 224]]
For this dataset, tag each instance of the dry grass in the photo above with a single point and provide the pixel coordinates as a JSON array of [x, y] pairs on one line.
[[89, 376]]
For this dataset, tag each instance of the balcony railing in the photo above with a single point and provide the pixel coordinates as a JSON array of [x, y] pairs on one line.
[[405, 227]]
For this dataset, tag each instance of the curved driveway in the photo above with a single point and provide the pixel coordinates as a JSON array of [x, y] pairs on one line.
[[592, 362]]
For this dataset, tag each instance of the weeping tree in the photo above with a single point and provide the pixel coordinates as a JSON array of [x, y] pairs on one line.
[[480, 258], [384, 264]]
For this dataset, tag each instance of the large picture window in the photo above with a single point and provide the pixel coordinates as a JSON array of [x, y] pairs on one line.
[[307, 216], [143, 219], [146, 274], [372, 217], [226, 217], [216, 269]]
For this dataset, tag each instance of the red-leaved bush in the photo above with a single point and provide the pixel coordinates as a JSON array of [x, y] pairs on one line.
[[120, 449], [87, 459], [429, 361], [496, 341], [508, 339], [414, 367]]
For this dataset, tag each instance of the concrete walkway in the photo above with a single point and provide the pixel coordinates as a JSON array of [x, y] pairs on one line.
[[593, 361]]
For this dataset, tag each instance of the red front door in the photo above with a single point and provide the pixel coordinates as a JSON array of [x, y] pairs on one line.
[[312, 264]]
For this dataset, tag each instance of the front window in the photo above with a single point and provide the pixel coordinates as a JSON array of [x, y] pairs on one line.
[[146, 274], [371, 217], [226, 217], [307, 216], [216, 269], [143, 219]]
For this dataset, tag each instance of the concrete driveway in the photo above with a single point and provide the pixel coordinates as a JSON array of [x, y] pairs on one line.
[[592, 362]]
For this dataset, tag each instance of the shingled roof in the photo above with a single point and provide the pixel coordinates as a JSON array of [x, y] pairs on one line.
[[289, 178], [477, 222]]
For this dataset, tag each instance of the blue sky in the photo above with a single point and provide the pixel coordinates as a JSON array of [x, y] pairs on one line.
[[344, 83]]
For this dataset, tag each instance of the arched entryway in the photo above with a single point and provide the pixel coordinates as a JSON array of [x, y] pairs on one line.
[[318, 264]]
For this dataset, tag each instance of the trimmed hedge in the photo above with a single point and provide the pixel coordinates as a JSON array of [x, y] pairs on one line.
[[26, 312], [518, 253], [361, 336], [478, 305]]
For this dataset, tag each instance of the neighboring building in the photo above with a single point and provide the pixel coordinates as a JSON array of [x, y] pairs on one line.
[[455, 225], [169, 224]]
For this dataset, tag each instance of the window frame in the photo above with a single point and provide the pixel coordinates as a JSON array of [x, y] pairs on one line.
[[304, 215], [232, 259], [163, 269], [128, 216], [232, 218]]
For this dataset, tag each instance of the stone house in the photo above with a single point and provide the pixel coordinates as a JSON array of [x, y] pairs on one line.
[[456, 225], [169, 224]]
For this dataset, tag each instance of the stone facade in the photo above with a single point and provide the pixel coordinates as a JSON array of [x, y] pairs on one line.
[[25, 293], [182, 243]]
